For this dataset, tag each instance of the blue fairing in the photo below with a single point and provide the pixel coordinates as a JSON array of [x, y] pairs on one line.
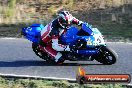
[[87, 52], [87, 28], [32, 33], [70, 36]]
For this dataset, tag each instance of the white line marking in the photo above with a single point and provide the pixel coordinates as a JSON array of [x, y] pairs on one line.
[[8, 38], [28, 76]]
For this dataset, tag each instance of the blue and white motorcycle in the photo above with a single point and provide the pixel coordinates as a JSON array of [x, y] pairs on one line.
[[87, 44]]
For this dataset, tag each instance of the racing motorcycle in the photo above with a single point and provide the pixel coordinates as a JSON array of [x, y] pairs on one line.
[[87, 44]]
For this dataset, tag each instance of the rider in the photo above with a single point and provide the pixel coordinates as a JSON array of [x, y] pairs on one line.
[[50, 36]]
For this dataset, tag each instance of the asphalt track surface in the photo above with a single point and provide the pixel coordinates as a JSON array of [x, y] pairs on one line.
[[17, 58]]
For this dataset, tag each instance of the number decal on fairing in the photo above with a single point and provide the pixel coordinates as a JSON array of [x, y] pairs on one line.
[[99, 39]]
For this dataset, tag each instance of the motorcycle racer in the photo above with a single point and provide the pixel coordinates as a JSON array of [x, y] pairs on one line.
[[52, 31]]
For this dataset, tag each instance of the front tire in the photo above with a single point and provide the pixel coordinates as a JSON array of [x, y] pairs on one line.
[[106, 56]]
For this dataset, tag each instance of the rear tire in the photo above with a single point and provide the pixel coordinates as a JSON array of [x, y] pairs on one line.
[[44, 55], [39, 52], [107, 56]]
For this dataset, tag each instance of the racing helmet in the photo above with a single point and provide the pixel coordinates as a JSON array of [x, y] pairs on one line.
[[65, 18]]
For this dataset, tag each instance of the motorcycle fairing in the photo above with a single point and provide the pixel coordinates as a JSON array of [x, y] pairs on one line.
[[94, 39], [32, 33], [70, 36], [98, 37]]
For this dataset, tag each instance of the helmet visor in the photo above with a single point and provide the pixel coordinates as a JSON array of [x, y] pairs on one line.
[[64, 22]]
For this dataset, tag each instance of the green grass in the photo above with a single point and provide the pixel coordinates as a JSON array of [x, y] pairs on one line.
[[112, 30], [41, 83]]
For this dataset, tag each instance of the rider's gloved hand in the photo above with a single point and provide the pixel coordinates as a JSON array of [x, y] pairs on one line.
[[80, 23]]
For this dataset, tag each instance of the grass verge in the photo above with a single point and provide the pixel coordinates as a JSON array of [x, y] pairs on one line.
[[116, 30], [46, 83]]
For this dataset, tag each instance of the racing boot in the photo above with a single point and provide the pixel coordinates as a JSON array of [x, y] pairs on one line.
[[59, 60]]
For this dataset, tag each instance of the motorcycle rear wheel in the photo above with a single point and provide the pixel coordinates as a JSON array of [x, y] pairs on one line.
[[44, 55], [39, 52], [106, 56]]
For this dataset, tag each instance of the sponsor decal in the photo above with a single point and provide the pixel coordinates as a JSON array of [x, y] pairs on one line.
[[83, 78]]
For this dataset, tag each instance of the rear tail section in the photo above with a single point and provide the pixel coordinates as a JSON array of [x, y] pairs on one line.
[[32, 33]]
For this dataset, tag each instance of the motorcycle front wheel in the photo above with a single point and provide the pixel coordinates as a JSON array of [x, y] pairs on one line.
[[106, 56]]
